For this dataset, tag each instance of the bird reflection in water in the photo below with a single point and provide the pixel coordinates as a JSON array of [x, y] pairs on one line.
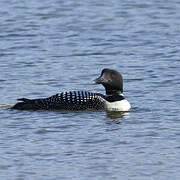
[[116, 114], [115, 117]]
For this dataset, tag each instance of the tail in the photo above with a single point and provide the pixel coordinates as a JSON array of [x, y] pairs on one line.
[[26, 104]]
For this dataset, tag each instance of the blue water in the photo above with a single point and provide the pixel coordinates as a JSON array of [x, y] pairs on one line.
[[51, 46]]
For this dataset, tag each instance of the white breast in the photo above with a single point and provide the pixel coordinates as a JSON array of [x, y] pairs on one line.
[[122, 105]]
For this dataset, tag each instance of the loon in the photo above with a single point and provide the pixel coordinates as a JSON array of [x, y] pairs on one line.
[[114, 99]]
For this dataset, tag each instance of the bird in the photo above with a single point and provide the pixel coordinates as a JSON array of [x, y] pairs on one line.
[[113, 100]]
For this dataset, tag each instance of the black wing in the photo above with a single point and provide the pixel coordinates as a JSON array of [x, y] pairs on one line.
[[73, 100]]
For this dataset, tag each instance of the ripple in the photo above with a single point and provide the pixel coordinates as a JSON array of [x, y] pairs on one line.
[[61, 45]]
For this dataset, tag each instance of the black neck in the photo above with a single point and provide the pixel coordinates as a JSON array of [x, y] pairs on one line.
[[113, 92], [114, 97]]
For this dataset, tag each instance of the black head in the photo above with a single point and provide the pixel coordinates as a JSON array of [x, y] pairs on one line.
[[111, 80]]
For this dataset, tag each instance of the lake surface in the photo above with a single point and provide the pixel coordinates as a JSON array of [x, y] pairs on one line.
[[52, 46]]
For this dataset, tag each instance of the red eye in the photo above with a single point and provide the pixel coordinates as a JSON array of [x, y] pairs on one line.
[[111, 76]]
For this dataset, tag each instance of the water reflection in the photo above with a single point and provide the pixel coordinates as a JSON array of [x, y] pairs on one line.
[[5, 106], [115, 114]]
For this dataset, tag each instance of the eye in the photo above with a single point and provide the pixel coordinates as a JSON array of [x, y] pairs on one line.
[[111, 76]]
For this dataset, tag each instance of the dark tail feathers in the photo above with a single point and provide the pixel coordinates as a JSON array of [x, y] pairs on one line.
[[24, 99], [26, 104]]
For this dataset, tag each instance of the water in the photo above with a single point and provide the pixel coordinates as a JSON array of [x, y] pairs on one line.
[[51, 46]]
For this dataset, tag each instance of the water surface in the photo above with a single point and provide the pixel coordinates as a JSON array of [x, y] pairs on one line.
[[49, 47]]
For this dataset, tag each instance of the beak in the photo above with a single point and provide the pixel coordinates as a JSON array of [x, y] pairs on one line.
[[99, 80]]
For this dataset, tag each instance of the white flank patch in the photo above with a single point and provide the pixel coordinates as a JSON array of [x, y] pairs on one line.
[[122, 105]]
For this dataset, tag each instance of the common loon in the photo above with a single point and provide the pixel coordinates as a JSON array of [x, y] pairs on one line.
[[83, 100]]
